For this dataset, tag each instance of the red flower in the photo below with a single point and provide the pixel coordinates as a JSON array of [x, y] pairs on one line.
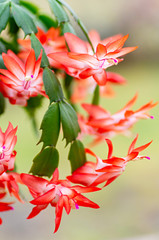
[[101, 124], [59, 193], [10, 181], [8, 140], [21, 81], [51, 42], [94, 173], [4, 206], [80, 63]]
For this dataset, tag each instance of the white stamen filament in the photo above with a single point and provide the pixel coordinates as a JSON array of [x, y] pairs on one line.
[[1, 150]]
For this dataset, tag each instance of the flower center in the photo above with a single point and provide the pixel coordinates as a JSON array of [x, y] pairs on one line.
[[28, 78], [50, 43], [27, 82]]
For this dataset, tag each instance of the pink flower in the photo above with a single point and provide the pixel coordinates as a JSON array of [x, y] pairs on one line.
[[95, 173], [81, 63], [59, 193], [102, 124], [21, 80], [8, 140]]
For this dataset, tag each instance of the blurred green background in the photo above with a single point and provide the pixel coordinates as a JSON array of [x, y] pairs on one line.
[[130, 205]]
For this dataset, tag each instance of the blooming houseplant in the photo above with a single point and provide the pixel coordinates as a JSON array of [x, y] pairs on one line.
[[33, 68]]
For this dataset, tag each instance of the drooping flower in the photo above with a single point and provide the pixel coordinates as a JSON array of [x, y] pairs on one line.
[[95, 173], [80, 63], [51, 42], [59, 193], [103, 125], [21, 80], [8, 140]]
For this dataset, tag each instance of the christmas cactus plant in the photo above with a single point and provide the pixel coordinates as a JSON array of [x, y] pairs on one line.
[[43, 58]]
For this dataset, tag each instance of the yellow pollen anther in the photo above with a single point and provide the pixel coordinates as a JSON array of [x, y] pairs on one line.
[[51, 43], [27, 78]]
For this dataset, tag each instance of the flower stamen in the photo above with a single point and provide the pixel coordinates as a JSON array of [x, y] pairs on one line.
[[2, 151], [27, 78]]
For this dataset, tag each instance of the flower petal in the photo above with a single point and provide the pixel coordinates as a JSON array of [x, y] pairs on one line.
[[75, 44], [17, 59], [9, 76], [86, 58], [118, 44], [122, 52], [85, 202], [143, 147], [65, 60], [36, 210], [66, 204], [45, 198], [132, 145], [110, 146], [35, 184], [37, 66], [101, 51], [100, 78], [30, 63], [55, 176], [129, 104], [95, 111], [87, 73], [13, 66], [115, 78], [58, 212]]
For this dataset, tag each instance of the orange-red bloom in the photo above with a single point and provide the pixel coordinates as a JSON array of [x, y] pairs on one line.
[[59, 193], [94, 173], [51, 42], [8, 140], [95, 39], [101, 124], [81, 63], [21, 80]]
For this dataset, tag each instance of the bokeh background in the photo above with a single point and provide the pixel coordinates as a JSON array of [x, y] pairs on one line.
[[130, 205]]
